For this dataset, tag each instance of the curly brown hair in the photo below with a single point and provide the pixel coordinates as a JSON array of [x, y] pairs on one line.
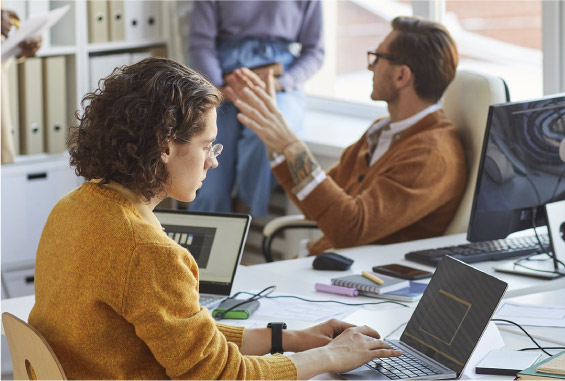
[[428, 49], [128, 122]]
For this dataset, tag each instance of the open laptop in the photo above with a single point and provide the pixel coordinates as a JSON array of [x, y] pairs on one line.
[[216, 242], [444, 329]]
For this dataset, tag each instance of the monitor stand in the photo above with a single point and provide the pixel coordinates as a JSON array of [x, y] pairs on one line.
[[541, 266]]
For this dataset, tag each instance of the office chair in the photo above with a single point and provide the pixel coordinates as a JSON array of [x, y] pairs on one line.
[[466, 102], [32, 356]]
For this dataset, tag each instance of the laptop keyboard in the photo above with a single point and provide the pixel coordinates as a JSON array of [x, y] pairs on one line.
[[402, 367]]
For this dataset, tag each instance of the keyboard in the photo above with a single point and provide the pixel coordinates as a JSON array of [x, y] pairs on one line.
[[496, 250], [404, 366]]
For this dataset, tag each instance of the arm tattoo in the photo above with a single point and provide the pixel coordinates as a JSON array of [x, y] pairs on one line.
[[301, 166]]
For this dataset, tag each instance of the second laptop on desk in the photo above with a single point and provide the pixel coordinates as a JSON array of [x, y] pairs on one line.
[[444, 329]]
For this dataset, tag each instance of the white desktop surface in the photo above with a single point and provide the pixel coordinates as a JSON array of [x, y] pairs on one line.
[[297, 277], [303, 276]]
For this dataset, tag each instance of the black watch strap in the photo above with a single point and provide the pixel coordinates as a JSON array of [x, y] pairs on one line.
[[276, 336]]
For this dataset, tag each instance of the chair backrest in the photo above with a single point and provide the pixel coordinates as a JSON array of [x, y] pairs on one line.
[[32, 356], [466, 103]]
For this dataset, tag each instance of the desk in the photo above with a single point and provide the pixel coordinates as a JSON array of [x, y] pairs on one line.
[[297, 277]]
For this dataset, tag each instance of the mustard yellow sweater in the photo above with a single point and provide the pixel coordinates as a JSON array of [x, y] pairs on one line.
[[117, 299]]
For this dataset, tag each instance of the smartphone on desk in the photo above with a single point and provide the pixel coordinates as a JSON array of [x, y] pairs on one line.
[[402, 272]]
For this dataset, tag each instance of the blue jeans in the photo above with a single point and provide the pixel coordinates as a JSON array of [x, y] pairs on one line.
[[243, 164]]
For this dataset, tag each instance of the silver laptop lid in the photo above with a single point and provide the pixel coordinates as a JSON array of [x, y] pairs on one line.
[[453, 313], [215, 240]]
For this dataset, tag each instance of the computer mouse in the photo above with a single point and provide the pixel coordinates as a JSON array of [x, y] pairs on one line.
[[331, 261]]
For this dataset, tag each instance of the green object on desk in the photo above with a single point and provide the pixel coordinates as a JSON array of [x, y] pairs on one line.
[[240, 312], [531, 373]]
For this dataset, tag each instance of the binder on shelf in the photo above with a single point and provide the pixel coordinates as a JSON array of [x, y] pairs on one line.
[[102, 66], [31, 106], [55, 106], [116, 20], [97, 21], [14, 109], [150, 20], [133, 25]]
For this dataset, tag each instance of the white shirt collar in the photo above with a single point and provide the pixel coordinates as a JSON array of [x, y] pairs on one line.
[[412, 120], [402, 125]]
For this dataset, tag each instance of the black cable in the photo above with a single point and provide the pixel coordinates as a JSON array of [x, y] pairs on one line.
[[537, 349], [527, 334], [261, 294], [328, 301]]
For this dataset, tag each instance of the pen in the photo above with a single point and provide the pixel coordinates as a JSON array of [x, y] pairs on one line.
[[372, 277]]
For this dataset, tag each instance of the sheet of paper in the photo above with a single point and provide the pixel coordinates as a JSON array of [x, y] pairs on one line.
[[34, 26], [295, 309], [532, 315]]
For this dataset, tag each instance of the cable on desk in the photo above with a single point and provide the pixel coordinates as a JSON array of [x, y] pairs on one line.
[[325, 301], [261, 294], [537, 349], [527, 334]]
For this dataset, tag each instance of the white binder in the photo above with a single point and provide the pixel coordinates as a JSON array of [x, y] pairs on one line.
[[150, 19], [55, 96], [102, 66], [133, 24], [31, 106]]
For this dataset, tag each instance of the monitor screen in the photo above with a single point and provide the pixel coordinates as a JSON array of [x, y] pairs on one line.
[[521, 168]]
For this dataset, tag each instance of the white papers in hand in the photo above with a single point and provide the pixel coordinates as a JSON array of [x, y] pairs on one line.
[[32, 27]]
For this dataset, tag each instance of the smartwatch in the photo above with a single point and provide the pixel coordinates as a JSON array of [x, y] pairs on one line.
[[276, 336]]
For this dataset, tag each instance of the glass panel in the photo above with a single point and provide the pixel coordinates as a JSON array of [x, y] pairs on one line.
[[500, 37]]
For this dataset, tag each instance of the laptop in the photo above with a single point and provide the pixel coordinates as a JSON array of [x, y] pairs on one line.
[[216, 241], [444, 329]]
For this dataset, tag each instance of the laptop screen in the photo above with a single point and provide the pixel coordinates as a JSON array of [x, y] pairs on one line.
[[215, 240], [453, 313]]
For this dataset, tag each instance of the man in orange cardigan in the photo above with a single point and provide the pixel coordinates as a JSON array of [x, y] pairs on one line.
[[404, 178]]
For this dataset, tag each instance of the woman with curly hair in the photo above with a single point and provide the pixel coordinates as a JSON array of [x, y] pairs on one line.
[[115, 297]]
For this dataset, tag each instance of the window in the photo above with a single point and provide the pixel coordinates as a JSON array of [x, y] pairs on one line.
[[519, 40], [503, 38]]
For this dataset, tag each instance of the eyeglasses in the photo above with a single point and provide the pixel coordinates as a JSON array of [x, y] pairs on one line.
[[213, 150], [373, 57]]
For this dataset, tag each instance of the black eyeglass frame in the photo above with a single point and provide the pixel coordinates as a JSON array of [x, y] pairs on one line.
[[377, 56]]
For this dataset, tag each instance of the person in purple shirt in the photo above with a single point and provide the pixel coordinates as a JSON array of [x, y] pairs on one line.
[[226, 35]]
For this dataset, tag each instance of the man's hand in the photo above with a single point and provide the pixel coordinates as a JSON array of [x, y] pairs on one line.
[[256, 100]]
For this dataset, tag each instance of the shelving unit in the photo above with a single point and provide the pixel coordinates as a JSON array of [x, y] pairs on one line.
[[34, 183]]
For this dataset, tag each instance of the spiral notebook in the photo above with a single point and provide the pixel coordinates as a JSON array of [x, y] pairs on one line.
[[363, 284]]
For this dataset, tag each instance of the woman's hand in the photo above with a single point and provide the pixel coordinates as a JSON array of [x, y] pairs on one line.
[[313, 337], [352, 348]]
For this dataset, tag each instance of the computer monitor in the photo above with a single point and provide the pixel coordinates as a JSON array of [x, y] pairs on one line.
[[522, 167]]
